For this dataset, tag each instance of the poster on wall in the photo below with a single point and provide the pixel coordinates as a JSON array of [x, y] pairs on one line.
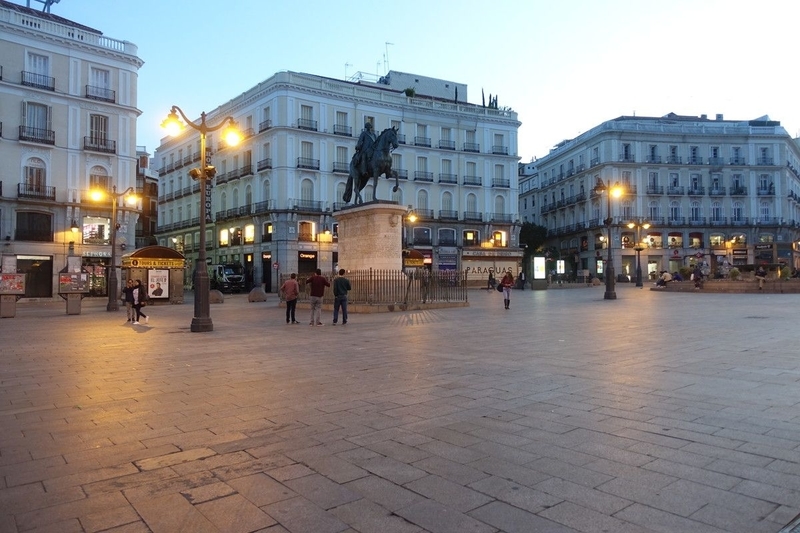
[[539, 268], [158, 283]]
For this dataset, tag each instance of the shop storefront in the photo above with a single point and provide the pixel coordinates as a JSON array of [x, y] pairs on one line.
[[477, 264]]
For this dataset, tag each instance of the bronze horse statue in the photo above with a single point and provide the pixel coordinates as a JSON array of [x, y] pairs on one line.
[[379, 161]]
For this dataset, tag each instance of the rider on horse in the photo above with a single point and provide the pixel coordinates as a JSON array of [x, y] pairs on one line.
[[363, 146]]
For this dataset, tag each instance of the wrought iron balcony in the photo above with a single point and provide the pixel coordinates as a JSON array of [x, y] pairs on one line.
[[767, 221], [340, 129], [655, 189], [675, 191], [37, 135], [718, 221], [676, 221], [473, 180], [500, 217], [740, 221], [765, 161], [472, 147], [40, 81], [738, 161], [448, 214], [717, 191], [626, 158], [653, 159], [697, 221], [308, 205], [422, 141], [500, 150], [420, 175], [401, 173], [401, 138], [338, 206], [307, 124], [264, 164], [424, 214], [694, 160], [448, 178], [716, 161], [245, 170], [766, 191], [264, 125], [307, 162], [473, 216], [98, 144], [100, 93], [447, 145], [341, 168], [263, 207], [37, 192], [594, 162], [739, 191], [674, 160], [501, 183], [696, 191]]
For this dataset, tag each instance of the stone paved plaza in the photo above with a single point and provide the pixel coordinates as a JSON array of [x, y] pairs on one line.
[[663, 412]]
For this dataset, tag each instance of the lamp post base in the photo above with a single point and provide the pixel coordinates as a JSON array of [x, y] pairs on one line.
[[610, 293], [202, 324], [202, 316]]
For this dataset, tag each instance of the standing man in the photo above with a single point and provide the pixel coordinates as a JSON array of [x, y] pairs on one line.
[[128, 292], [341, 285], [365, 142], [291, 291], [318, 284]]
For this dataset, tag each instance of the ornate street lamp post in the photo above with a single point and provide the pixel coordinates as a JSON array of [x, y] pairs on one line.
[[639, 225], [173, 124], [616, 192], [113, 282]]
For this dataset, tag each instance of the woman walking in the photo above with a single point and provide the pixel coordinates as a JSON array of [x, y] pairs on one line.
[[139, 299], [507, 282]]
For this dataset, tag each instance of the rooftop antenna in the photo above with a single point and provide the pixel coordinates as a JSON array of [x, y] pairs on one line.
[[386, 57], [345, 69]]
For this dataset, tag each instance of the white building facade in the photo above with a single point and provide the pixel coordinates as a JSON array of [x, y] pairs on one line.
[[276, 194], [719, 192], [68, 123]]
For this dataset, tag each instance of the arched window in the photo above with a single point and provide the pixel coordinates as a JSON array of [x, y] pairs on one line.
[[627, 210], [248, 195], [422, 199], [716, 212], [447, 201], [235, 198], [765, 211], [340, 187], [265, 191], [737, 212], [398, 197], [223, 202], [695, 212], [307, 190], [35, 174], [499, 204], [654, 210], [98, 179], [675, 211], [472, 203]]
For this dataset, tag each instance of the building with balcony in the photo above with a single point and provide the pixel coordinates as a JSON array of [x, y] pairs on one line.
[[276, 195], [720, 192], [68, 124]]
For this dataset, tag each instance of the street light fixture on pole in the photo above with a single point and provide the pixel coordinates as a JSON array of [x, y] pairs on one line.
[[639, 225], [113, 283], [616, 192], [173, 125]]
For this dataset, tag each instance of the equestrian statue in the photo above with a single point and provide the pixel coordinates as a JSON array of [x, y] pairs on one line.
[[373, 158]]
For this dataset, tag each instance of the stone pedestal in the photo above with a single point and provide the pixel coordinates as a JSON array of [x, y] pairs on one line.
[[370, 236]]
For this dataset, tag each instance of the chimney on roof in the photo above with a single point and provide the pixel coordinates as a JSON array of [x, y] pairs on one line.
[[719, 116], [703, 117]]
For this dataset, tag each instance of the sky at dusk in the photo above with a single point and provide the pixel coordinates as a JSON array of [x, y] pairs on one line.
[[564, 66]]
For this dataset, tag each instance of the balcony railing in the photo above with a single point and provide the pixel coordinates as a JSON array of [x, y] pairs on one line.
[[37, 135], [40, 81], [447, 145], [655, 189], [21, 234], [424, 214], [653, 159], [697, 221], [696, 191], [765, 161], [339, 129], [401, 173], [500, 217], [766, 191], [501, 183], [738, 161], [674, 160], [500, 150], [717, 191], [422, 141], [263, 207], [307, 162], [264, 125], [448, 178], [740, 221], [401, 138], [473, 180], [308, 205], [448, 214], [676, 221], [420, 175], [694, 160], [594, 162], [264, 164], [767, 221], [307, 124], [100, 145], [38, 192], [100, 93], [473, 216], [627, 158], [675, 191], [472, 147], [739, 191], [718, 221], [341, 168], [716, 161]]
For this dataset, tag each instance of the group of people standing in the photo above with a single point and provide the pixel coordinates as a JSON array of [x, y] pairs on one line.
[[317, 283]]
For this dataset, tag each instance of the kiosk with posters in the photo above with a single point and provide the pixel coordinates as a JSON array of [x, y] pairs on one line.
[[160, 270], [73, 283], [12, 287]]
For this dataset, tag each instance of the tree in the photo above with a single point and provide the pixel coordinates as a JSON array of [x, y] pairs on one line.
[[532, 237]]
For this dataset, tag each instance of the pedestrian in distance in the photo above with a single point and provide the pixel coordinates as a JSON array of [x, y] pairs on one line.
[[491, 282], [318, 284], [761, 276], [139, 301], [507, 282], [341, 286], [697, 277], [127, 292], [291, 291]]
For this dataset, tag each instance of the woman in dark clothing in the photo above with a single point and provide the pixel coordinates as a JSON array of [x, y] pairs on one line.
[[139, 299]]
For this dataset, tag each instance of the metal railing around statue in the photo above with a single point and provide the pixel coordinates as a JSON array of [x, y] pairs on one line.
[[393, 287]]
